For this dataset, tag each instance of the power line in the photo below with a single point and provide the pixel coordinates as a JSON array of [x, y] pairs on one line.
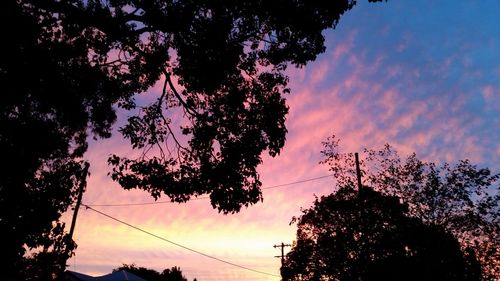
[[205, 197], [297, 182], [177, 244]]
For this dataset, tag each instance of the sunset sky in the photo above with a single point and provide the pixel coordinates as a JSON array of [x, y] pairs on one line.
[[423, 76]]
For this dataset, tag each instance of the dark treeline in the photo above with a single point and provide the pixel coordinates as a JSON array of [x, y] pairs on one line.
[[411, 220]]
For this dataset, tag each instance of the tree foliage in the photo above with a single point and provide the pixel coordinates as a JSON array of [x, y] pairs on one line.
[[364, 235], [168, 274], [228, 60], [461, 198], [51, 98]]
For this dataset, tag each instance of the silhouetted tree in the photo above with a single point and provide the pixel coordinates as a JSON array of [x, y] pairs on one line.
[[462, 198], [351, 235], [51, 98], [169, 274], [67, 66]]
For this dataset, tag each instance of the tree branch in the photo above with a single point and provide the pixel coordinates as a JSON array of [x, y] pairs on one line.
[[188, 108]]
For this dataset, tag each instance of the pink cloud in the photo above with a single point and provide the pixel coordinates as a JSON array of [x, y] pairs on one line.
[[491, 96], [488, 93], [319, 72], [342, 48]]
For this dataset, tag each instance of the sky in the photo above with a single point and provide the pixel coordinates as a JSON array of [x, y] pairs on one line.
[[423, 76]]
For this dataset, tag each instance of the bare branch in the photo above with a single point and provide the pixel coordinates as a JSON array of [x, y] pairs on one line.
[[191, 111]]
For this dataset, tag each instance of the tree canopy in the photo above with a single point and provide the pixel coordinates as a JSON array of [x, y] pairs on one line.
[[67, 66], [461, 198], [168, 274], [365, 235]]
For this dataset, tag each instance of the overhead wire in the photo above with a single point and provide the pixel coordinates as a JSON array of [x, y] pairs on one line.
[[297, 182], [206, 197], [89, 206], [179, 245]]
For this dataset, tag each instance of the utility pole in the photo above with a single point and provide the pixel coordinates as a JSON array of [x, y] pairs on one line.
[[83, 184], [282, 246], [81, 189], [358, 171]]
